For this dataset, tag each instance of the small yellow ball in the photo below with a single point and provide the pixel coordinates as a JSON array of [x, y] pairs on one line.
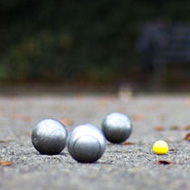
[[160, 147]]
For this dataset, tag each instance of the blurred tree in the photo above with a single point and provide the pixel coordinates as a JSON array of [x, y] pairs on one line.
[[75, 39]]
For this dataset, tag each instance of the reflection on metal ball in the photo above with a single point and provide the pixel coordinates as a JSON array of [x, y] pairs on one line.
[[86, 143], [49, 136], [116, 127]]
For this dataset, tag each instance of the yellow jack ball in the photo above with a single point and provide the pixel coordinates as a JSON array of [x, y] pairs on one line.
[[160, 147]]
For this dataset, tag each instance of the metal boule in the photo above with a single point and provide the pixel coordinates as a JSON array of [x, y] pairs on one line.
[[86, 143], [49, 136], [117, 127]]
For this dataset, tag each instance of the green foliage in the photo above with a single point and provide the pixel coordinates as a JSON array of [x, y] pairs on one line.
[[74, 39]]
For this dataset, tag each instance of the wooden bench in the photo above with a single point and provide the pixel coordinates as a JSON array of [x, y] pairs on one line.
[[162, 43]]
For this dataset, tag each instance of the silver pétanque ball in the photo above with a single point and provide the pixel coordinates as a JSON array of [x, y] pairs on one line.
[[86, 143], [49, 136], [117, 127]]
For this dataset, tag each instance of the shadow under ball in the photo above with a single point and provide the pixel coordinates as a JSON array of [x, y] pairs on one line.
[[116, 127], [49, 136], [86, 143]]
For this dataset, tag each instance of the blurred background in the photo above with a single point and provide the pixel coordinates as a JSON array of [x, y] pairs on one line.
[[91, 43]]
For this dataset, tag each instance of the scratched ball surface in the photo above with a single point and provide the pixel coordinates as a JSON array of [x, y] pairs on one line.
[[160, 147], [49, 136], [86, 143], [116, 127]]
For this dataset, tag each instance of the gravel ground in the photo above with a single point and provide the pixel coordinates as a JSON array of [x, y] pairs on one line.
[[121, 167]]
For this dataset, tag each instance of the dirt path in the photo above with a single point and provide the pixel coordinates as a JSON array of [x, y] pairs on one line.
[[121, 167]]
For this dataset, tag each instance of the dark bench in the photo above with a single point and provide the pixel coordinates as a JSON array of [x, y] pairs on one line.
[[162, 43]]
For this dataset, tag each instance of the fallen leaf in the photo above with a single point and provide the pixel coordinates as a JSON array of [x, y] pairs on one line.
[[6, 163], [187, 137], [66, 121], [159, 128], [164, 162], [102, 103], [22, 117], [187, 100], [138, 117], [175, 127], [129, 143], [187, 127], [17, 116], [26, 118]]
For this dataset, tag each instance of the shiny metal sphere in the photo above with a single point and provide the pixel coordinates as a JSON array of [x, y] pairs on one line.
[[116, 127], [49, 136], [86, 143]]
